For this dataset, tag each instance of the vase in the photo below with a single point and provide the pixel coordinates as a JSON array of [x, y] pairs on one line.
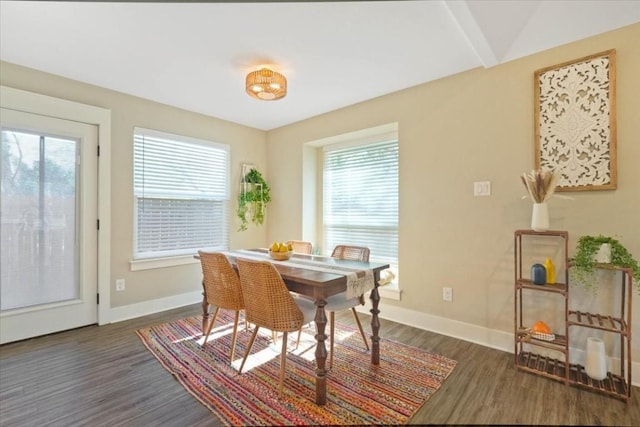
[[595, 362], [604, 254], [538, 274], [540, 217], [551, 271]]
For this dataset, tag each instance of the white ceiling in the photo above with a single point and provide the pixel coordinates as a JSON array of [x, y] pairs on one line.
[[196, 55]]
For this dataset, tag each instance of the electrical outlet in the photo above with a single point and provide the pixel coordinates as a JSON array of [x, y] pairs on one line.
[[447, 294], [120, 285]]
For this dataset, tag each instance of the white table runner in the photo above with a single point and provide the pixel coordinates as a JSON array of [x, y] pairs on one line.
[[359, 281]]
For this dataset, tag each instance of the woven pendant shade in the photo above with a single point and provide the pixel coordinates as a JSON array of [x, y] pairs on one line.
[[266, 84]]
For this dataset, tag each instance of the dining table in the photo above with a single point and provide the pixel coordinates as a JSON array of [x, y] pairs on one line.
[[320, 277]]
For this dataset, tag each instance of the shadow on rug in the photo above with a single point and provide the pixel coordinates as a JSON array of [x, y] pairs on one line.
[[357, 392]]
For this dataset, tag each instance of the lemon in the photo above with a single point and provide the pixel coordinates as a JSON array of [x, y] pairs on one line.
[[275, 247], [283, 248]]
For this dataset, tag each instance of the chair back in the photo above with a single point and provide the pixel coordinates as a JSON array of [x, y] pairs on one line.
[[354, 253], [268, 301], [301, 247], [221, 282]]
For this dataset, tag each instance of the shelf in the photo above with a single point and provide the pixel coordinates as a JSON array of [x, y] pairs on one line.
[[558, 233], [560, 288], [617, 322], [609, 267], [559, 344], [597, 321], [613, 385], [542, 365]]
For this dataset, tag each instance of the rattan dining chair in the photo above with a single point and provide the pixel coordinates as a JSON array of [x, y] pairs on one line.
[[340, 301], [269, 304], [301, 247], [222, 290]]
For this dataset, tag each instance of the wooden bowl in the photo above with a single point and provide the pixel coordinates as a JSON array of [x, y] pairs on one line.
[[280, 256]]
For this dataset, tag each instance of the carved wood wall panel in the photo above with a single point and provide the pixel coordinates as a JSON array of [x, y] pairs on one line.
[[575, 122]]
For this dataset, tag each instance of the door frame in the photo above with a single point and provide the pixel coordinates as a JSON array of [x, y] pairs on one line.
[[35, 103]]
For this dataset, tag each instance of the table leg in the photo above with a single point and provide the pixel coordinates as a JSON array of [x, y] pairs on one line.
[[375, 323], [205, 314], [321, 353]]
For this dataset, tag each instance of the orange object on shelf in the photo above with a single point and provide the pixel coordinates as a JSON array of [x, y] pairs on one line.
[[541, 327]]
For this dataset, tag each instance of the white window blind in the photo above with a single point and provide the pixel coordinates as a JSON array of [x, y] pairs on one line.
[[181, 191], [360, 199]]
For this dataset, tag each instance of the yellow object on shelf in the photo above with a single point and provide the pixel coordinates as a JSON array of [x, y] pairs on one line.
[[551, 271]]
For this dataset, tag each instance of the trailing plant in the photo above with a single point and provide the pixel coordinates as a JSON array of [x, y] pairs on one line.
[[252, 202], [583, 264]]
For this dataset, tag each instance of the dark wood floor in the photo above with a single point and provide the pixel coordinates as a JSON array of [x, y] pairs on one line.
[[102, 376]]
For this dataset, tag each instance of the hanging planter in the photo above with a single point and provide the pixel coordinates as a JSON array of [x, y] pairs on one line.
[[253, 198]]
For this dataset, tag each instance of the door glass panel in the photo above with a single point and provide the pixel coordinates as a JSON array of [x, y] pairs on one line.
[[38, 231]]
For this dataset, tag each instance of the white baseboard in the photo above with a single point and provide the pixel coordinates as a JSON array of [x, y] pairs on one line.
[[132, 311], [492, 338]]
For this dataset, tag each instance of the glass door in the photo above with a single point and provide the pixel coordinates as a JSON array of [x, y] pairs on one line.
[[48, 237]]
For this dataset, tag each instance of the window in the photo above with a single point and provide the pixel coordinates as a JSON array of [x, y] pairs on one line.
[[181, 191], [360, 198]]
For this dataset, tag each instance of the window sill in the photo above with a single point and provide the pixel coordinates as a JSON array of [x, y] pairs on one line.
[[149, 264], [390, 291]]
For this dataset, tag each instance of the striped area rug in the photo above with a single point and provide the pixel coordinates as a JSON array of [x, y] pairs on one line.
[[357, 392]]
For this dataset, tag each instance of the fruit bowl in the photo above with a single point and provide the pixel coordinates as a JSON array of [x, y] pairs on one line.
[[280, 256]]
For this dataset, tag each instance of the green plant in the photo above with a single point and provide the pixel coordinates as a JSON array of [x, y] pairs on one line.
[[584, 262], [254, 196]]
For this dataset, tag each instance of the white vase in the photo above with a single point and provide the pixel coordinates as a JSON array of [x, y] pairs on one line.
[[604, 254], [595, 362], [540, 217]]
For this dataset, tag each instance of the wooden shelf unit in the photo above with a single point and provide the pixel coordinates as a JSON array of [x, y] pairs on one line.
[[560, 369]]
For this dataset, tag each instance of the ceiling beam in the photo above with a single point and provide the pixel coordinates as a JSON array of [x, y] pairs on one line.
[[467, 23]]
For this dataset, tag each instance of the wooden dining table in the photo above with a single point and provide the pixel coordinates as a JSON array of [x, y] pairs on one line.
[[319, 284]]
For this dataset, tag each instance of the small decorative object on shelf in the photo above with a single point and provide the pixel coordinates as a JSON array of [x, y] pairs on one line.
[[538, 274], [540, 185], [603, 256], [551, 271], [585, 261], [595, 362]]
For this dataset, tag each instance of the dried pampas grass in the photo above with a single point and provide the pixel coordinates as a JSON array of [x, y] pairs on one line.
[[540, 184]]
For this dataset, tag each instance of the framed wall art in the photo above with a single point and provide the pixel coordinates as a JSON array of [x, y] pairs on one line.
[[575, 122]]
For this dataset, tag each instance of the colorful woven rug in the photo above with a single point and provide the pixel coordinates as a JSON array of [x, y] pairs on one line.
[[357, 392]]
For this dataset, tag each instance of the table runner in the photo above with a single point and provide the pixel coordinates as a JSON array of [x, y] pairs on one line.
[[359, 281]]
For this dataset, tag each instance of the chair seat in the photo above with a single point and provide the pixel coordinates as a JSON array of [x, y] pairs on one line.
[[341, 302], [307, 307]]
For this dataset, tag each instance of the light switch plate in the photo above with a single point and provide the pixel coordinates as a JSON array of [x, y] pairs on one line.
[[482, 188]]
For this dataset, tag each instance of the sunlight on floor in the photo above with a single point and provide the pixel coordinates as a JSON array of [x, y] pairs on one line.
[[305, 350]]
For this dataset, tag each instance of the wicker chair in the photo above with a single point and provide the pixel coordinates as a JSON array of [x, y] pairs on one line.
[[269, 304], [301, 247], [340, 302], [222, 290]]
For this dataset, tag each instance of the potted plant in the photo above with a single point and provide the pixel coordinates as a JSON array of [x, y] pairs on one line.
[[253, 199], [585, 260]]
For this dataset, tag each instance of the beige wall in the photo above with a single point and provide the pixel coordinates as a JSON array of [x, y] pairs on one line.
[[247, 146], [475, 126]]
